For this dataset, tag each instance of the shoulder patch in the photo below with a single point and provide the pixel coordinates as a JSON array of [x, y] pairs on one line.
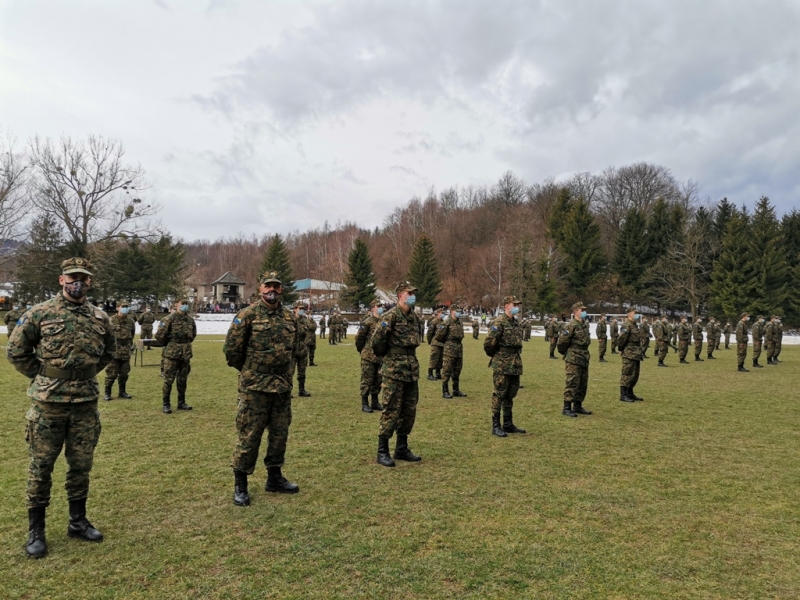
[[237, 321], [494, 328], [384, 324], [21, 321]]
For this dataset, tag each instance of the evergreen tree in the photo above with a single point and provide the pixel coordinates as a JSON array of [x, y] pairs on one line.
[[277, 259], [558, 215], [732, 276], [659, 232], [424, 272], [128, 276], [523, 275], [630, 250], [360, 279], [39, 264], [166, 268], [583, 255], [546, 297], [768, 259], [722, 214], [790, 234]]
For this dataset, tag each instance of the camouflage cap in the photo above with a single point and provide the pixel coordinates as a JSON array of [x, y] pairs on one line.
[[76, 265], [270, 277], [511, 300], [405, 286], [121, 303], [299, 304], [744, 314], [455, 307], [759, 317], [375, 302], [577, 306]]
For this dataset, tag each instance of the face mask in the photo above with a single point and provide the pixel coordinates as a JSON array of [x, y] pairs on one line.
[[411, 300], [380, 310], [271, 297], [583, 315], [515, 310], [637, 317], [458, 315], [28, 306], [76, 289], [301, 312], [125, 310], [184, 308]]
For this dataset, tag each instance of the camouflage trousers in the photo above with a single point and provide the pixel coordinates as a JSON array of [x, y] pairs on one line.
[[614, 343], [118, 367], [553, 342], [256, 412], [577, 382], [727, 340], [451, 367], [662, 347], [756, 350], [716, 343], [777, 349], [299, 366], [370, 378], [630, 372], [476, 331], [505, 390], [683, 347], [741, 353], [312, 350], [526, 336], [770, 349], [75, 426], [698, 348], [147, 332], [435, 361], [645, 345], [399, 400], [175, 369], [601, 347], [710, 347]]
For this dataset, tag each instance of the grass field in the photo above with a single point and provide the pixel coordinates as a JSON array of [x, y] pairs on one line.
[[692, 493]]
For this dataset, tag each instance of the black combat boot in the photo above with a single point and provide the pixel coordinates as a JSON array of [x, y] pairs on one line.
[[438, 374], [123, 383], [567, 410], [240, 495], [446, 390], [365, 404], [167, 407], [710, 357], [756, 365], [772, 361], [107, 394], [577, 408], [36, 546], [182, 401], [624, 396], [496, 429], [375, 404], [302, 384], [613, 351], [661, 363], [553, 356], [741, 369], [683, 361], [457, 393], [602, 359], [634, 396], [508, 422], [430, 375], [79, 526], [402, 451], [384, 458], [276, 482], [698, 359]]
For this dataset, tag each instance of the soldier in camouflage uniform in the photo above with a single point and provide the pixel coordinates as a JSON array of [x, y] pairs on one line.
[[757, 334], [727, 333], [451, 333], [553, 337], [684, 337], [717, 334], [331, 330], [146, 321], [504, 344], [769, 339], [614, 332], [573, 344], [476, 328], [527, 326], [176, 334], [11, 319], [630, 346], [396, 339], [123, 326], [672, 335], [661, 334], [644, 332], [778, 340], [697, 334], [322, 328], [741, 341], [61, 344], [437, 348], [602, 338], [711, 333], [263, 343], [370, 364], [302, 354], [311, 340]]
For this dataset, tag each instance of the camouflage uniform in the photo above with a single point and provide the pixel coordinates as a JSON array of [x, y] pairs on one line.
[[710, 339], [552, 335], [778, 341], [727, 333], [717, 334], [504, 344], [758, 337], [614, 332], [645, 335], [476, 328], [672, 336], [741, 342], [684, 337], [450, 334], [146, 320], [322, 328], [11, 319], [573, 343], [697, 334], [630, 346], [176, 334], [437, 348], [311, 341], [662, 341], [602, 338], [527, 325], [370, 363], [124, 329], [301, 357]]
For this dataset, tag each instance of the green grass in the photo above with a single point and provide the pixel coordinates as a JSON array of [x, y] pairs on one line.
[[689, 494]]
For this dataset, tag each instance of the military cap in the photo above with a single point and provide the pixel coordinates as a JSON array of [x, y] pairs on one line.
[[577, 305], [759, 317], [270, 277], [511, 300], [122, 303], [455, 306], [76, 265], [744, 314], [405, 286], [299, 304], [375, 302]]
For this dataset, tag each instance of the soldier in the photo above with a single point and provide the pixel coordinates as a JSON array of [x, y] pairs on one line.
[[672, 335], [778, 340], [437, 348], [630, 347], [176, 334], [146, 321], [343, 328], [717, 334], [527, 326], [322, 328], [61, 344], [573, 343], [11, 319], [123, 326], [684, 337], [602, 338], [661, 334], [741, 341], [758, 337], [450, 333], [727, 333], [614, 331], [311, 340], [476, 328], [396, 340], [504, 344], [769, 339], [644, 333], [331, 330], [370, 364], [697, 333], [711, 336], [302, 351], [262, 344], [553, 337]]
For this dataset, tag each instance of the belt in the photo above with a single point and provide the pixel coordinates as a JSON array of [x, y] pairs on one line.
[[87, 373], [508, 350], [254, 366], [403, 351]]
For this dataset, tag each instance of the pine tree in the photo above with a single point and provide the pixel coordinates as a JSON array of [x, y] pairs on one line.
[[790, 234], [722, 214], [629, 251], [558, 216], [360, 279], [523, 275], [732, 276], [546, 298], [39, 265], [768, 259], [128, 275], [277, 259], [424, 272], [583, 256], [165, 270]]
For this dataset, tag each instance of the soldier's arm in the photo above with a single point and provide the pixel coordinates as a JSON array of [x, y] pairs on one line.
[[492, 341], [194, 329], [235, 346], [109, 346], [162, 335], [133, 328], [380, 339], [21, 349], [441, 332]]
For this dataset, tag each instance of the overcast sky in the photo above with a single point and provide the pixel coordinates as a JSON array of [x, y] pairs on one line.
[[274, 116]]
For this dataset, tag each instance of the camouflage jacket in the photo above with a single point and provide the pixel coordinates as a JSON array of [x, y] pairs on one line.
[[614, 328], [124, 329], [697, 332], [303, 335], [176, 333], [504, 344], [311, 332], [396, 339], [61, 345], [644, 333], [364, 338], [661, 331], [684, 332], [602, 329], [263, 344], [146, 319], [430, 335], [757, 332], [630, 340], [727, 329], [450, 333], [11, 319], [741, 332], [548, 330], [573, 343]]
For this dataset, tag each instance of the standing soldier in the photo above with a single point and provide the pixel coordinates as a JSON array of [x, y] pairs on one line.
[[778, 340], [573, 343], [684, 338], [553, 337], [711, 336], [528, 326], [741, 341], [123, 326], [176, 334], [697, 333], [476, 328], [631, 349], [370, 363], [504, 344], [614, 331], [302, 350], [396, 339], [769, 339], [61, 344], [262, 343], [11, 319], [661, 334], [717, 334], [331, 331], [758, 337], [727, 333], [672, 335], [644, 332], [311, 340], [322, 327], [437, 347], [602, 338], [344, 324], [146, 322], [450, 333]]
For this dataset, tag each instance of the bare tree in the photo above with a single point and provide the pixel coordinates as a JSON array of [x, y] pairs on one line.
[[585, 185], [14, 199], [510, 190]]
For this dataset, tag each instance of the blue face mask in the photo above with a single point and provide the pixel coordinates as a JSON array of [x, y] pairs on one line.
[[380, 310], [301, 312], [411, 300], [583, 315], [515, 310], [458, 315], [184, 308], [125, 310], [637, 317]]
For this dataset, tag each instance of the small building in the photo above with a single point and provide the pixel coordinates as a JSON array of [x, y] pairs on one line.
[[227, 288]]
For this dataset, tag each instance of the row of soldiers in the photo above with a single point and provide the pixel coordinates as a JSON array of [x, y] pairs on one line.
[[336, 324]]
